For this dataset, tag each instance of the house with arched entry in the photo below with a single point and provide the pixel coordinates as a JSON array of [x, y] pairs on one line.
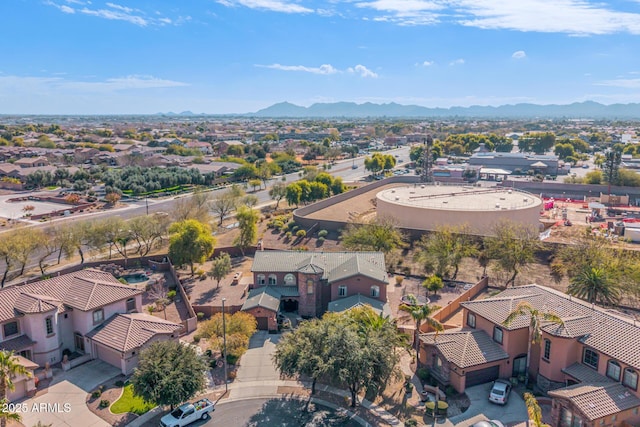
[[307, 282]]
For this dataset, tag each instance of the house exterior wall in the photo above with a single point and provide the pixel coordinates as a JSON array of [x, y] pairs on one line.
[[359, 285], [310, 304], [66, 331], [630, 415], [46, 347], [130, 359], [258, 312], [83, 320]]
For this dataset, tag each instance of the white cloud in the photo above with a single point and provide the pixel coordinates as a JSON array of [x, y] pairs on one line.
[[116, 15], [625, 83], [121, 8], [363, 71], [458, 61], [58, 84], [428, 63], [116, 12], [323, 69], [519, 54], [575, 17], [270, 5]]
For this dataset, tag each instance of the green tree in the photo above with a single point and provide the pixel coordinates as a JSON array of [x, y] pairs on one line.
[[255, 183], [444, 249], [225, 203], [593, 177], [421, 313], [536, 319], [297, 353], [379, 235], [9, 369], [190, 242], [169, 373], [611, 167], [247, 224], [293, 194], [277, 192], [433, 284], [595, 285], [513, 247], [220, 268]]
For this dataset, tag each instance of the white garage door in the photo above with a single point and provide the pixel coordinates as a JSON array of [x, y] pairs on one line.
[[108, 355], [19, 392]]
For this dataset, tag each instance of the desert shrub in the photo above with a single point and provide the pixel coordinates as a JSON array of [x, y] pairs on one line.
[[171, 295], [104, 403], [119, 383], [294, 229], [200, 315], [96, 394], [232, 375], [123, 281], [320, 240], [411, 423], [450, 391], [200, 272], [301, 233], [196, 339], [323, 233], [289, 234], [423, 374]]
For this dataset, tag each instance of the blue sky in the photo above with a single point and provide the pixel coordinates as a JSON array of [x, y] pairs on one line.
[[236, 56]]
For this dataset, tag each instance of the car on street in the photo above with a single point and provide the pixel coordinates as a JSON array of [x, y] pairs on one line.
[[354, 166], [500, 392], [187, 413], [490, 423]]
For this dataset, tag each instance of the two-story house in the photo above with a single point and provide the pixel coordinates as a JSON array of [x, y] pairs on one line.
[[87, 312], [589, 365], [311, 283]]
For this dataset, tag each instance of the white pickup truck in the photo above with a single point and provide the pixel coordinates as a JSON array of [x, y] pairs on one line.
[[187, 413]]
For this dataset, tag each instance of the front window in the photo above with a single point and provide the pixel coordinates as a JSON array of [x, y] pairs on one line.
[[613, 370], [630, 378], [342, 291], [273, 279], [290, 280], [310, 286], [547, 349], [48, 323], [261, 279], [131, 305], [10, 329], [590, 358], [497, 334], [375, 291], [25, 353], [471, 320], [98, 316]]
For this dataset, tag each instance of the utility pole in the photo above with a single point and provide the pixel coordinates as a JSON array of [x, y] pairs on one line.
[[427, 160]]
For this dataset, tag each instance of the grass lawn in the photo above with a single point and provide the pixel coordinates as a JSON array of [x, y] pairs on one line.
[[131, 403]]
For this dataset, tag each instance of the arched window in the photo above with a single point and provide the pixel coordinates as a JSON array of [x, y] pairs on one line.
[[375, 291], [613, 370], [630, 378], [261, 279], [273, 279], [290, 280]]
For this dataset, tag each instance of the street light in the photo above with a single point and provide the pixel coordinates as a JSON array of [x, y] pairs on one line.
[[224, 347]]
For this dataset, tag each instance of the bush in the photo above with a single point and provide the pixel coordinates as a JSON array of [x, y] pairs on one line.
[[200, 272], [301, 234], [294, 229], [423, 374], [323, 233], [399, 280], [96, 394], [232, 359], [231, 375], [450, 391], [200, 315], [119, 383], [411, 423], [171, 295], [196, 339], [104, 403], [289, 234], [123, 281], [320, 240]]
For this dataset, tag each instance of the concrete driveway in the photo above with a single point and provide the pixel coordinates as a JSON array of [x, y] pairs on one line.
[[481, 409], [256, 363], [64, 403]]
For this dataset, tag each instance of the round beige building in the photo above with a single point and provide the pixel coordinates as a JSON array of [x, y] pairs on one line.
[[428, 206]]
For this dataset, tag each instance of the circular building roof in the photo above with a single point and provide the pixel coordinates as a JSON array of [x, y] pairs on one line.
[[459, 198]]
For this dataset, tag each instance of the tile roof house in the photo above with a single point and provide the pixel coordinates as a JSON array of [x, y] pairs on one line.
[[307, 282], [76, 312], [589, 365]]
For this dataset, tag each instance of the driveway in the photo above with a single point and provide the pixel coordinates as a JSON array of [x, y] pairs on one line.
[[256, 363], [481, 409], [64, 403]]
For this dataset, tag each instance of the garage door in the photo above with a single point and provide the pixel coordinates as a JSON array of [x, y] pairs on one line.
[[482, 376], [263, 323], [19, 392], [108, 355]]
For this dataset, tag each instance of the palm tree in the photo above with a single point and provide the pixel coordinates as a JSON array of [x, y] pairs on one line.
[[6, 415], [420, 313], [536, 319], [534, 411], [9, 368], [595, 285]]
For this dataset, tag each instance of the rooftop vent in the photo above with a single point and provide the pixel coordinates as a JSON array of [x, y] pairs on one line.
[[497, 205], [509, 191], [502, 198], [526, 199], [393, 191]]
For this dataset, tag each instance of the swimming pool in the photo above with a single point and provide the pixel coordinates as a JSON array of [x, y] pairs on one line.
[[135, 278]]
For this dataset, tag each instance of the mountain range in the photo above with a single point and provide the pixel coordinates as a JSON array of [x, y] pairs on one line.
[[587, 109]]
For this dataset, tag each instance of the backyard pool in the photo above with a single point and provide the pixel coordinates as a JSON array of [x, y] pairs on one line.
[[135, 278]]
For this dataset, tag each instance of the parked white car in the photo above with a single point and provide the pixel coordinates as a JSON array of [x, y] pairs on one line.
[[490, 423], [500, 392], [187, 413]]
